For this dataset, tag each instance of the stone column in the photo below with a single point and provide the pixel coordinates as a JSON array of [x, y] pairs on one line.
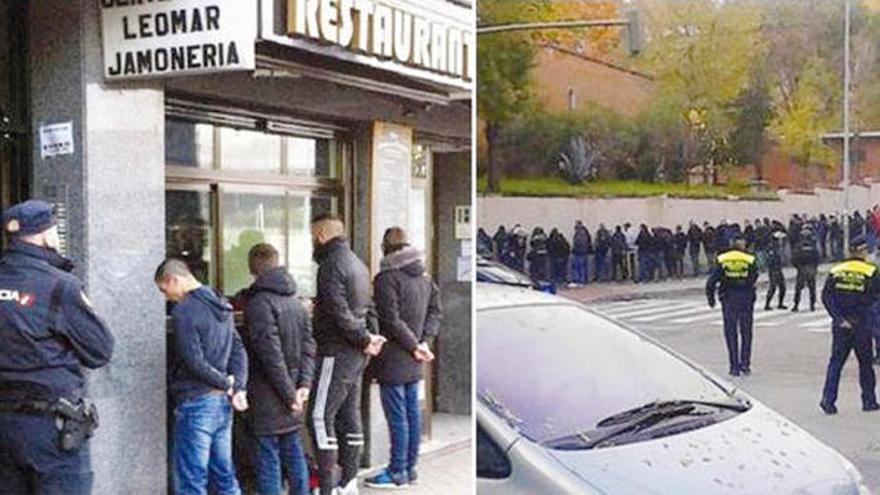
[[113, 186], [452, 187]]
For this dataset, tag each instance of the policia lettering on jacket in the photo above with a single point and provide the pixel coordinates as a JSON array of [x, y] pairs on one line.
[[177, 58]]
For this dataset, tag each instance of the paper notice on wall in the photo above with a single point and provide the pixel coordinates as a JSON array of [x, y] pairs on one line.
[[466, 248], [56, 139], [464, 269]]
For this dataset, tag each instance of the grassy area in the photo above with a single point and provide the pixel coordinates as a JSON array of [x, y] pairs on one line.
[[556, 187]]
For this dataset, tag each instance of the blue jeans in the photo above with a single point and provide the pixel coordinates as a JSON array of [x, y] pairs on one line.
[[275, 452], [203, 446], [401, 405], [579, 268]]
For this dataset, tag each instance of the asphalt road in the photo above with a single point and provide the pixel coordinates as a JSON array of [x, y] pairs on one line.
[[790, 353]]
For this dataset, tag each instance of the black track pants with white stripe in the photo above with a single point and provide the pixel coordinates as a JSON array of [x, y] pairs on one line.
[[335, 423]]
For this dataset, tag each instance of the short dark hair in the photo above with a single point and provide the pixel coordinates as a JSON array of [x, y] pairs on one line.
[[325, 217], [262, 257], [172, 267]]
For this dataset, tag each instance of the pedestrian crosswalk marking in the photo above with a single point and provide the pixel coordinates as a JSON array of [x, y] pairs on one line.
[[666, 312], [709, 314], [643, 311], [673, 312]]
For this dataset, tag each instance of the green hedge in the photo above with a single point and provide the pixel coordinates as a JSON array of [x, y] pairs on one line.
[[556, 187]]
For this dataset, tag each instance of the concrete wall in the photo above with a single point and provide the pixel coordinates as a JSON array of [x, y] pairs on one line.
[[452, 187], [562, 212], [113, 181]]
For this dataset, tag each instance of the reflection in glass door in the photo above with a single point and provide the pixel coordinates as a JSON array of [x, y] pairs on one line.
[[14, 136]]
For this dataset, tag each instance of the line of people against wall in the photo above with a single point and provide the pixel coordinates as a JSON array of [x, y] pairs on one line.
[[290, 369], [645, 254]]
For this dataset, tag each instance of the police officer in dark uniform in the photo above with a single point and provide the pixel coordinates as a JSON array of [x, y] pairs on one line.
[[774, 270], [48, 334], [734, 275], [806, 260], [850, 290]]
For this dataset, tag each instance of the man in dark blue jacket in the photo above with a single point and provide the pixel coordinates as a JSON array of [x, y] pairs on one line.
[[734, 276], [850, 290], [281, 358], [208, 379], [582, 244], [48, 334]]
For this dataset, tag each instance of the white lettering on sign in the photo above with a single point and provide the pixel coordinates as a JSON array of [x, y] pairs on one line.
[[386, 31], [149, 38]]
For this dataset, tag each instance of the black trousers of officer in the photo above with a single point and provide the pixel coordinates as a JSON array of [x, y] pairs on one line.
[[335, 426], [807, 280], [842, 342], [777, 281], [31, 462], [738, 334]]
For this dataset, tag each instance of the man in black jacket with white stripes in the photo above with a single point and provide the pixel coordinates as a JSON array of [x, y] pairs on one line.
[[344, 343]]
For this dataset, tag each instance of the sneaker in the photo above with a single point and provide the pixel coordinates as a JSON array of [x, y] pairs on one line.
[[794, 309], [386, 480], [746, 371], [782, 306], [734, 372], [767, 307], [828, 408], [351, 488], [870, 407], [413, 476]]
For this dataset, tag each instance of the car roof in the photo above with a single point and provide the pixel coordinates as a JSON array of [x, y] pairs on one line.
[[491, 296]]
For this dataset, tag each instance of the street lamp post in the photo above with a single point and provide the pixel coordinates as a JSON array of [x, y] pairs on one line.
[[846, 133]]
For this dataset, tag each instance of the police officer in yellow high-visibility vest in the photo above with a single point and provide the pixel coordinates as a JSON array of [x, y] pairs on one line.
[[851, 288], [734, 276]]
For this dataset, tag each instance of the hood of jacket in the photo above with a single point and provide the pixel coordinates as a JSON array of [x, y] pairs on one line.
[[218, 305], [408, 260], [276, 280]]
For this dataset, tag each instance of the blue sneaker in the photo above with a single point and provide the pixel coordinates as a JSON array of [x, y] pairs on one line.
[[386, 480]]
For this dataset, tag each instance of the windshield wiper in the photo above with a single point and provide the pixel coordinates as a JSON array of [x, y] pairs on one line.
[[594, 438], [625, 416], [638, 419]]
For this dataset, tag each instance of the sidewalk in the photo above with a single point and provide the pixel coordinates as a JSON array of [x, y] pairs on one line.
[[446, 466], [612, 291]]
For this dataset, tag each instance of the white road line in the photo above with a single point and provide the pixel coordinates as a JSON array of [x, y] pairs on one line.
[[825, 321], [646, 311], [633, 305], [713, 313], [672, 313]]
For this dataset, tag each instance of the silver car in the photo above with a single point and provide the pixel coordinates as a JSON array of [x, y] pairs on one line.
[[572, 402]]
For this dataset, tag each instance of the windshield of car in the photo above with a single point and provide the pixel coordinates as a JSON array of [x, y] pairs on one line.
[[557, 370], [488, 271]]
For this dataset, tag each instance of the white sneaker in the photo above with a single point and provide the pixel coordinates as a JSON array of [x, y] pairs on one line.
[[350, 489]]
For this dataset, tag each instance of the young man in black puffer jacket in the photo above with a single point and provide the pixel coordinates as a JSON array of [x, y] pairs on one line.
[[408, 303], [278, 338], [344, 342]]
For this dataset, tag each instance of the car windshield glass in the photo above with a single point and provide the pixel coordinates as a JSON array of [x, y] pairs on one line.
[[490, 272], [555, 370]]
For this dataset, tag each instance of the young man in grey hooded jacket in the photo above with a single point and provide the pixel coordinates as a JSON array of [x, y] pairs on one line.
[[408, 304]]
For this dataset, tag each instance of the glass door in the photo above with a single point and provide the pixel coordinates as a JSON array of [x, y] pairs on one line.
[[14, 134]]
